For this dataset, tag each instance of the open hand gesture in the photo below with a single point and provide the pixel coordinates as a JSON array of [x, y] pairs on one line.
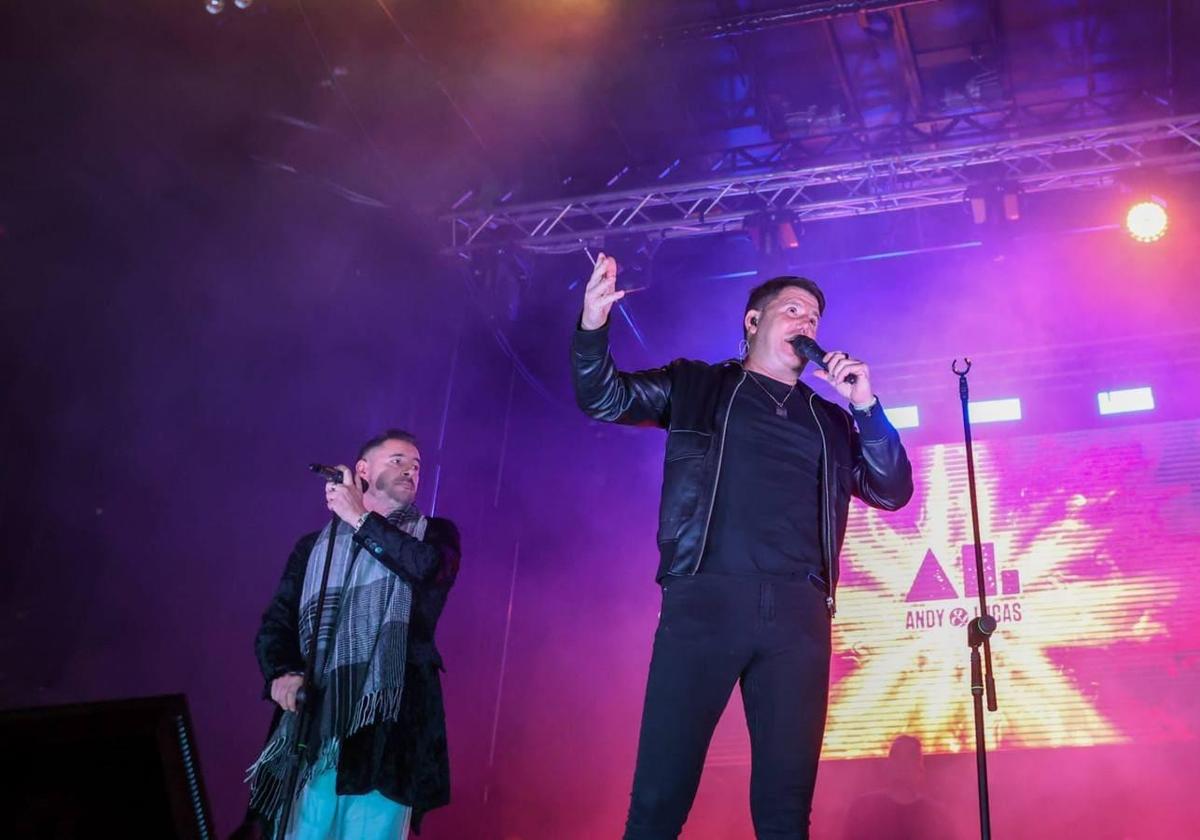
[[601, 293]]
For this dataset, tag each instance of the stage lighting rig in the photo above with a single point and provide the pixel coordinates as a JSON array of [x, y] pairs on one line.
[[993, 202], [215, 7]]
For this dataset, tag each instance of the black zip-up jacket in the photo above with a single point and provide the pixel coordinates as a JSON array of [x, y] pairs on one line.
[[691, 400]]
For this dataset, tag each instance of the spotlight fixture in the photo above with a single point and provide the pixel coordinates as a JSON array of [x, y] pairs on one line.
[[774, 231], [993, 202], [215, 7], [1147, 221], [776, 237]]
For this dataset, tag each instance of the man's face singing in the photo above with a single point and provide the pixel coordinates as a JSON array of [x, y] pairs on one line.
[[794, 311]]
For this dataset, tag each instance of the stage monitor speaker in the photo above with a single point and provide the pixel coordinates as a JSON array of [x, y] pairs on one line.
[[124, 768]]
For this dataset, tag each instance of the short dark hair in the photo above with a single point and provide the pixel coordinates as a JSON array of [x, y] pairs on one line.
[[764, 293], [384, 437]]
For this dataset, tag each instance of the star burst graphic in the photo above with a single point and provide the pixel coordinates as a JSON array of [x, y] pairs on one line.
[[901, 658]]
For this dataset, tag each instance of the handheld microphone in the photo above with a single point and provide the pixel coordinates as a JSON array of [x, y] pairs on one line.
[[328, 473], [806, 348]]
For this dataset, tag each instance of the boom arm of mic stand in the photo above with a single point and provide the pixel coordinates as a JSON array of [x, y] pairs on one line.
[[989, 681]]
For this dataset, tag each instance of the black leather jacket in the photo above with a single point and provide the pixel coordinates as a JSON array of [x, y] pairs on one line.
[[691, 400]]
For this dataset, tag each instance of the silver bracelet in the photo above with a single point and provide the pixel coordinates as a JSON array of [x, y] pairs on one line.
[[360, 521]]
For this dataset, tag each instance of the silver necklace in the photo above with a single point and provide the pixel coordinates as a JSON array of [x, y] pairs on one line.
[[780, 409]]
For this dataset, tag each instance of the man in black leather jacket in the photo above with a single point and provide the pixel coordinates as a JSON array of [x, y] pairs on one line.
[[757, 481]]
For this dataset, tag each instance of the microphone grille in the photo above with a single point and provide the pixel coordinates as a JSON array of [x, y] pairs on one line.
[[808, 348]]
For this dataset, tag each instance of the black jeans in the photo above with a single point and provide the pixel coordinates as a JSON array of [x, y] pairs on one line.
[[772, 636]]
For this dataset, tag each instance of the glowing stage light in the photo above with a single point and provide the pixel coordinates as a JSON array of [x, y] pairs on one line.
[[1146, 221], [1122, 402], [994, 411], [214, 7], [904, 416]]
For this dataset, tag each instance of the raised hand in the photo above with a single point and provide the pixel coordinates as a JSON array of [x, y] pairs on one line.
[[345, 499], [601, 293]]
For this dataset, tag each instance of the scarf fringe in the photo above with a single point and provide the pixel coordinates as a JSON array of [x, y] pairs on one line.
[[269, 754], [268, 774], [341, 669], [372, 708]]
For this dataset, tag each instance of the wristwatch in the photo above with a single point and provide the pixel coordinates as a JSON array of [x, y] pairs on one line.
[[866, 409]]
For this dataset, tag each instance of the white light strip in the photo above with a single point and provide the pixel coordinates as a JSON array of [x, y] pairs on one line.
[[1130, 399], [994, 411], [904, 416]]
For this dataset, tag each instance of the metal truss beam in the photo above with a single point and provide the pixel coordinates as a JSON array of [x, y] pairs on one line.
[[1065, 160], [908, 62], [976, 126], [757, 21], [979, 125]]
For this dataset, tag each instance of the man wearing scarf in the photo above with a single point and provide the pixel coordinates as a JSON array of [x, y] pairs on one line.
[[375, 760]]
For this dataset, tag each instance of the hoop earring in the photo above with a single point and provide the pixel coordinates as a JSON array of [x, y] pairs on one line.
[[743, 349]]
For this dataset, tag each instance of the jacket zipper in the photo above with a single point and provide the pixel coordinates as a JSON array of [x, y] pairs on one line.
[[717, 478], [830, 602]]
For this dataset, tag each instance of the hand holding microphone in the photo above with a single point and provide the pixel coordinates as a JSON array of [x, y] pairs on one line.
[[331, 474], [342, 495], [850, 377]]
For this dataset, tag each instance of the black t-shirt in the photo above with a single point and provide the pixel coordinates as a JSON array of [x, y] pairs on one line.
[[766, 518]]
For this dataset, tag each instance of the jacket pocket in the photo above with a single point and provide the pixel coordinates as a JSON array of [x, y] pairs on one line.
[[845, 479], [683, 477], [682, 443]]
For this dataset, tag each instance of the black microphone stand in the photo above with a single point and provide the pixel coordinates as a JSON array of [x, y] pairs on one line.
[[981, 628], [306, 696]]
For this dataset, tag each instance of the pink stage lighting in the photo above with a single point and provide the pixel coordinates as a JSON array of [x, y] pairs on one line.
[[1146, 221], [995, 411], [1124, 401]]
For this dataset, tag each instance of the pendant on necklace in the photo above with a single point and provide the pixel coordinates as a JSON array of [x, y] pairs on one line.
[[780, 411]]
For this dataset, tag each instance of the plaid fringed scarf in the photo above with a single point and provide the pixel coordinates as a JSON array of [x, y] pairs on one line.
[[359, 682]]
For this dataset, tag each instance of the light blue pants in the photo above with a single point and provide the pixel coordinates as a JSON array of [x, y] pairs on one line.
[[323, 815]]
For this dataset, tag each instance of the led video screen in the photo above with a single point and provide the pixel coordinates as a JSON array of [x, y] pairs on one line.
[[1092, 562]]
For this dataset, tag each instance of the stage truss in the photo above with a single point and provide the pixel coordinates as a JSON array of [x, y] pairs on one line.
[[772, 182]]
